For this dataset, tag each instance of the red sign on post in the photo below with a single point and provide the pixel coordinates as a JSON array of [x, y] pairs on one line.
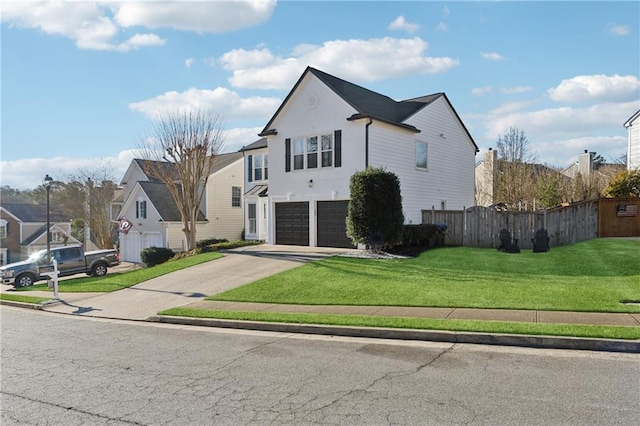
[[124, 225]]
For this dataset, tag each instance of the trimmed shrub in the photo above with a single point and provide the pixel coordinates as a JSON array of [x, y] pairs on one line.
[[375, 214], [152, 256], [210, 242], [423, 235]]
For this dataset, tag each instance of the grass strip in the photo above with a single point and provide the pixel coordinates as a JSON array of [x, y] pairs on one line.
[[501, 327], [23, 299]]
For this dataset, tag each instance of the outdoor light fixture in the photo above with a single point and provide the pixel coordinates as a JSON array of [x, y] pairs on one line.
[[310, 183], [47, 181]]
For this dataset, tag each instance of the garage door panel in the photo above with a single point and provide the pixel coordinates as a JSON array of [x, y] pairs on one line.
[[292, 223], [331, 223]]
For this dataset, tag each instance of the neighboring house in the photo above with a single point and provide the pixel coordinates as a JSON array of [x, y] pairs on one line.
[[155, 219], [327, 129], [256, 202], [633, 147], [23, 230]]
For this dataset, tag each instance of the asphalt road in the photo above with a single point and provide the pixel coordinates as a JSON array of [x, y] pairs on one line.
[[71, 370]]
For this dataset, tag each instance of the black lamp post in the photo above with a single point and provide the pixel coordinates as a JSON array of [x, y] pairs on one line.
[[47, 184]]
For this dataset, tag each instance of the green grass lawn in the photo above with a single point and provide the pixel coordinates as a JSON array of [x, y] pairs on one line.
[[120, 280], [22, 298], [592, 276]]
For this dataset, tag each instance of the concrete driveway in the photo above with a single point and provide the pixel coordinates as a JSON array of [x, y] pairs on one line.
[[237, 267]]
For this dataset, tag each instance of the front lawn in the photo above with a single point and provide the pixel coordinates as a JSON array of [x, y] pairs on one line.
[[592, 276]]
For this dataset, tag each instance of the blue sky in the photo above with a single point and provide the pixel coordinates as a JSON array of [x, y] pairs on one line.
[[82, 81]]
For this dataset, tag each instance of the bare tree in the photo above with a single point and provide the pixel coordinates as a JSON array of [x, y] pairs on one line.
[[517, 169], [87, 196], [182, 149]]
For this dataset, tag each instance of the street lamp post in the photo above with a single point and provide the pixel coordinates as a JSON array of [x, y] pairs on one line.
[[47, 184]]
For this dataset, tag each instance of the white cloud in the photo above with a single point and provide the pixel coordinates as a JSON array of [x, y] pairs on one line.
[[442, 27], [188, 62], [559, 122], [563, 152], [492, 56], [239, 137], [400, 23], [446, 11], [353, 60], [599, 87], [618, 29], [199, 16], [481, 91], [224, 101], [96, 25], [516, 90]]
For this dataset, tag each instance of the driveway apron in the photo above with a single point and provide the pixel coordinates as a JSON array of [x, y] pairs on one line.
[[237, 267]]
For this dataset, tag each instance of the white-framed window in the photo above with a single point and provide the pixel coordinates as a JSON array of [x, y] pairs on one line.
[[252, 217], [3, 228], [421, 155], [236, 195], [327, 150], [266, 166], [298, 154], [141, 209], [258, 167], [313, 152]]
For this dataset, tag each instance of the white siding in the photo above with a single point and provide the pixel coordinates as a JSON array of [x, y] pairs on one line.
[[313, 109], [449, 177], [151, 225], [633, 156]]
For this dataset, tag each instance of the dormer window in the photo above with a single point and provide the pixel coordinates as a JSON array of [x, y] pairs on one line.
[[141, 209]]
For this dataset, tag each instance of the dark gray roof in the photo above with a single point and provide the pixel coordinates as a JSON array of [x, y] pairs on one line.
[[36, 234], [220, 162], [163, 201], [29, 213], [366, 102], [260, 143], [223, 160], [259, 190]]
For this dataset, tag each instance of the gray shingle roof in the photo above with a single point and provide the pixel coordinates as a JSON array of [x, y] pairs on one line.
[[260, 143], [366, 102], [29, 213], [163, 201]]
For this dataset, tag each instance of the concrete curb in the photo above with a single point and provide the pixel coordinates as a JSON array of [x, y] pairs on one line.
[[529, 341]]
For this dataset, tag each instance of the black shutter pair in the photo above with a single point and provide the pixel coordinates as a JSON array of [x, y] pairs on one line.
[[337, 151]]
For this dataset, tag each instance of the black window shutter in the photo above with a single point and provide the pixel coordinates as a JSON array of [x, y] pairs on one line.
[[250, 167], [137, 209], [287, 155], [337, 161]]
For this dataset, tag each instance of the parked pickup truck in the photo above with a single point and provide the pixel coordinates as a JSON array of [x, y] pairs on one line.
[[71, 260]]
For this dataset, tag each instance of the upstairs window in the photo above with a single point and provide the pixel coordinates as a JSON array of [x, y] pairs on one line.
[[266, 166], [312, 152], [327, 150], [3, 228], [298, 154], [236, 196], [257, 167], [421, 155], [141, 209]]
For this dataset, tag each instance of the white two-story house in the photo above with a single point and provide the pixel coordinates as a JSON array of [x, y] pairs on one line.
[[633, 143], [154, 216], [326, 129]]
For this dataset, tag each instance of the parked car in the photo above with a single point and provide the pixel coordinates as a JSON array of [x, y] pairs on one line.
[[71, 260]]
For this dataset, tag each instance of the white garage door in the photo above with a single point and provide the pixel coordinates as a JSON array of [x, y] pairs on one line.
[[133, 243]]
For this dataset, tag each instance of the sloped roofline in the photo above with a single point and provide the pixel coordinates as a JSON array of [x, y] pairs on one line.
[[369, 104], [633, 118]]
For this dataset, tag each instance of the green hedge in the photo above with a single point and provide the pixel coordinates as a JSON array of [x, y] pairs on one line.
[[152, 256]]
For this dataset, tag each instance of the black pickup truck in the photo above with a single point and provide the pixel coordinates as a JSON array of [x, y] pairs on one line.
[[71, 260]]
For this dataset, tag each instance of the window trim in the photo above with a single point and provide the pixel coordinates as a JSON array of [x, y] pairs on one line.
[[236, 199], [4, 228], [252, 221], [426, 155]]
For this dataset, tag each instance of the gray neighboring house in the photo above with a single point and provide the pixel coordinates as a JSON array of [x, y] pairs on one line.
[[23, 230]]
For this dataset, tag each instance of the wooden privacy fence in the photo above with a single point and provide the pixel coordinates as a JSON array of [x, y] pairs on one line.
[[619, 217], [480, 226]]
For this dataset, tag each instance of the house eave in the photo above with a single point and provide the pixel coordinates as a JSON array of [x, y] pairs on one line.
[[408, 127]]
